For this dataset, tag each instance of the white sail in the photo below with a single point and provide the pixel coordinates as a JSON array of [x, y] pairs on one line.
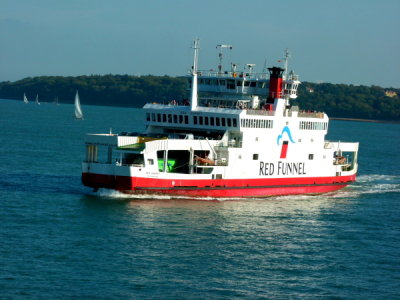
[[37, 99], [25, 99], [78, 110]]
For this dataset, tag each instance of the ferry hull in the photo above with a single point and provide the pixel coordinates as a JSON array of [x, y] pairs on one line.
[[222, 188]]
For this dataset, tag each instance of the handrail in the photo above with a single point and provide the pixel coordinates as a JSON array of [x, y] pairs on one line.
[[262, 112]]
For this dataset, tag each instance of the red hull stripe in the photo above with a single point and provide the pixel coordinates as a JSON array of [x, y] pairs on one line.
[[236, 187], [218, 187]]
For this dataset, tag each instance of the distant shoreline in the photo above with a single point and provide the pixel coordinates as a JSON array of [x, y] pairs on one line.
[[365, 120], [330, 118]]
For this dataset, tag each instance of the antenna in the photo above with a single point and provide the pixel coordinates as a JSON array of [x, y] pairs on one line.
[[265, 69], [220, 55]]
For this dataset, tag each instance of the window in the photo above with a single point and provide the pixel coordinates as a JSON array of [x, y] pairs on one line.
[[223, 122], [201, 120], [160, 158], [255, 156], [186, 119], [175, 119], [217, 121], [230, 84], [206, 120], [180, 119], [164, 118], [150, 161], [229, 122], [158, 117], [234, 123], [132, 159], [169, 118], [195, 120], [212, 121], [153, 117], [148, 116], [310, 156]]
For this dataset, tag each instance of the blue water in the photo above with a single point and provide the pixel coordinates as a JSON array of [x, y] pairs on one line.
[[60, 240]]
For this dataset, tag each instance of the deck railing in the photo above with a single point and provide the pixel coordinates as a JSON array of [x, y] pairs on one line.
[[260, 112], [307, 114]]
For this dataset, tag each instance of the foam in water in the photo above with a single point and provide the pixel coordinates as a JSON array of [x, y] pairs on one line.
[[373, 184]]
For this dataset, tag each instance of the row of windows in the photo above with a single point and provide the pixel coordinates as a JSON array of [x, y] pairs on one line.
[[167, 118], [215, 121], [307, 125], [197, 120], [230, 83], [251, 123]]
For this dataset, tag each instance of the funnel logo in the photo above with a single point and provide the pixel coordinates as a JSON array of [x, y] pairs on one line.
[[285, 144]]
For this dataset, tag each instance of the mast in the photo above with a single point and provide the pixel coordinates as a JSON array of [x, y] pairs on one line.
[[286, 61], [193, 98], [220, 55]]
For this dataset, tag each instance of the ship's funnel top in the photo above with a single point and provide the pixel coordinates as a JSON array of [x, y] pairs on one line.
[[276, 72], [275, 82]]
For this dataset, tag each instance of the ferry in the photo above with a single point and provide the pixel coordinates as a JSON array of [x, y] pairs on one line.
[[237, 135]]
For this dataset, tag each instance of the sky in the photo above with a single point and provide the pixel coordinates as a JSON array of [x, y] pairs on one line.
[[342, 41]]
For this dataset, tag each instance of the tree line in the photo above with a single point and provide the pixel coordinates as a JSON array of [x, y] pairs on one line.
[[337, 100], [350, 101], [109, 90]]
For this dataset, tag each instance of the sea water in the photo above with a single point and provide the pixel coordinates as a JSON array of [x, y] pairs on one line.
[[59, 240]]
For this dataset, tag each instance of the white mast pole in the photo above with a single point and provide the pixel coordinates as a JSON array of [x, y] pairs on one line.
[[193, 98]]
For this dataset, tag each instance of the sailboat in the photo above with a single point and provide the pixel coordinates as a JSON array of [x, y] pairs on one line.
[[78, 110], [37, 99], [25, 99]]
